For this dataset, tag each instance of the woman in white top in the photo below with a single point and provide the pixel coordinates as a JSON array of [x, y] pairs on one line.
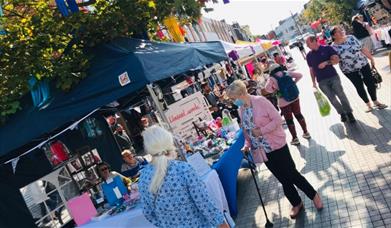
[[354, 64]]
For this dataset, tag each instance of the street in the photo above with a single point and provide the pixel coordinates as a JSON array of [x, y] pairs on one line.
[[349, 164]]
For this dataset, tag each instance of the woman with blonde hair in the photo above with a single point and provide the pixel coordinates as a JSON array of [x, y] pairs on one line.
[[265, 138], [171, 192]]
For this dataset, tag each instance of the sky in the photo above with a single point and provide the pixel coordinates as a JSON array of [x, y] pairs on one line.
[[260, 15]]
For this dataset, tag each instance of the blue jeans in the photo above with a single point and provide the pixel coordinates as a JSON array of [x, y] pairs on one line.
[[332, 88]]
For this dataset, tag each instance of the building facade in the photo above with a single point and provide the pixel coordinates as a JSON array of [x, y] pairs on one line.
[[210, 30], [288, 29]]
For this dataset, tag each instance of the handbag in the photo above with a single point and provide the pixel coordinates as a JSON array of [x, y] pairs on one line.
[[378, 78]]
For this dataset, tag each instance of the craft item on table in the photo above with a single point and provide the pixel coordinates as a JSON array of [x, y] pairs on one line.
[[114, 189], [198, 163], [213, 126], [219, 122], [227, 119], [81, 209]]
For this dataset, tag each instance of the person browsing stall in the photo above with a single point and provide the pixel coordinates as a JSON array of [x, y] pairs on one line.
[[266, 141], [172, 194]]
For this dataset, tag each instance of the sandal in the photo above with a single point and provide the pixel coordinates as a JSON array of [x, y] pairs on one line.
[[381, 106]]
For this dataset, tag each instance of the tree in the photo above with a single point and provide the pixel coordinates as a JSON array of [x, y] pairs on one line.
[[42, 43], [334, 11]]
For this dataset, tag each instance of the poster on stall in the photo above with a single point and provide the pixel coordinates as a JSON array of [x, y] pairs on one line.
[[183, 113]]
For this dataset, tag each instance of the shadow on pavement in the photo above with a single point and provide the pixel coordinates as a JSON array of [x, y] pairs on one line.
[[363, 134]]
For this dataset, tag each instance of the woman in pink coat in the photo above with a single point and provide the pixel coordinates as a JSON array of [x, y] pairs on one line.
[[265, 138]]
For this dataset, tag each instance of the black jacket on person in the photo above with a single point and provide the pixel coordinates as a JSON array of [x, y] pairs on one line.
[[359, 31], [123, 140]]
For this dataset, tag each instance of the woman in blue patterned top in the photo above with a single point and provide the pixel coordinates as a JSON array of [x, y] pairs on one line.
[[171, 192], [354, 64]]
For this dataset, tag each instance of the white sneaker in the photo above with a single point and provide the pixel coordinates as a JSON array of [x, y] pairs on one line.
[[306, 135], [295, 141]]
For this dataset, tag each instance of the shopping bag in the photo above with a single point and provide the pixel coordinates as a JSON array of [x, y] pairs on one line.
[[323, 103]]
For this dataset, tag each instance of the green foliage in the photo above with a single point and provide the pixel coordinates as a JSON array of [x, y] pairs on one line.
[[41, 42], [334, 11]]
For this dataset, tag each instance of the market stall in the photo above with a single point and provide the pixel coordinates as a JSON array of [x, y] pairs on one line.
[[118, 69], [227, 167], [134, 217]]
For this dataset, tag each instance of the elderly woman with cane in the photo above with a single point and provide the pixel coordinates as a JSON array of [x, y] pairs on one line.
[[265, 137]]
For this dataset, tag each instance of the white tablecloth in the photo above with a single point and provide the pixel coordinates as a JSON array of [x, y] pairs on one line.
[[135, 217]]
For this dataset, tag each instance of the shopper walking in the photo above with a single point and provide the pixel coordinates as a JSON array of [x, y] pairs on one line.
[[284, 83], [301, 49], [265, 137], [320, 61], [354, 64], [172, 193], [361, 30]]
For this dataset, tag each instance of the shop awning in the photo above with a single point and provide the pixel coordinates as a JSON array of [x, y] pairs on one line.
[[243, 48], [117, 69]]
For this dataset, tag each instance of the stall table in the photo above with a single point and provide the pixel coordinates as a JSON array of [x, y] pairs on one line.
[[227, 167], [136, 218]]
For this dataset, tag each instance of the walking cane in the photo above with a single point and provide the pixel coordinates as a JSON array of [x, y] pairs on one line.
[[252, 169]]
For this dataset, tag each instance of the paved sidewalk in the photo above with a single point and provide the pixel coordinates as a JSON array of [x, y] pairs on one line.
[[350, 165]]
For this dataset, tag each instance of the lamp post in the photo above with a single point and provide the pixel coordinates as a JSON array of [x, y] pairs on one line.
[[297, 26]]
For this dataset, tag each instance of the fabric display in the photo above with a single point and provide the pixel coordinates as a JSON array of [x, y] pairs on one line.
[[173, 28], [58, 152], [234, 55], [65, 7], [40, 91], [91, 128], [2, 31], [380, 14]]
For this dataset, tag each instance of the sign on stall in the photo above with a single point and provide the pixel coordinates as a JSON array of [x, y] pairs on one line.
[[183, 113]]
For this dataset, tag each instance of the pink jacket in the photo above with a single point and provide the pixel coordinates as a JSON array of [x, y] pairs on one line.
[[272, 86], [269, 121]]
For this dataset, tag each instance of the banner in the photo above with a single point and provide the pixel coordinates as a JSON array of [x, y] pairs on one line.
[[183, 113], [173, 28]]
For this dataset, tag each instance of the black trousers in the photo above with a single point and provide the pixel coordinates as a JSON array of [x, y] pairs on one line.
[[284, 169], [361, 77]]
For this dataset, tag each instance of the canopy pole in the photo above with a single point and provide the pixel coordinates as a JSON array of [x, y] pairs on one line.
[[163, 116]]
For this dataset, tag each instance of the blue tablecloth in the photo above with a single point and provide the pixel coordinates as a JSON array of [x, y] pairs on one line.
[[227, 168]]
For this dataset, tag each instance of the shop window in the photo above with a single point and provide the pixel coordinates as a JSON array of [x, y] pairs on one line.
[[46, 198]]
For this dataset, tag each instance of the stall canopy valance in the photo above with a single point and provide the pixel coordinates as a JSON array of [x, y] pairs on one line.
[[117, 69], [242, 49]]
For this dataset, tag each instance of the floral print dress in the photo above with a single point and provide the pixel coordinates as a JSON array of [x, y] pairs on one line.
[[248, 125], [182, 200]]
